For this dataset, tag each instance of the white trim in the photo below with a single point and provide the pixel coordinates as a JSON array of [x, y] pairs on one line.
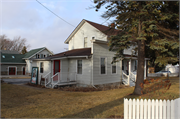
[[70, 57], [111, 69], [13, 67], [105, 66], [11, 63]]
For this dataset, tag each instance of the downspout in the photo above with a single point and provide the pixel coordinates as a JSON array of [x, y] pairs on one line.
[[92, 71]]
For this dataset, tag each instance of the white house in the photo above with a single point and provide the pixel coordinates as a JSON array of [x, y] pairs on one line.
[[88, 60], [35, 54]]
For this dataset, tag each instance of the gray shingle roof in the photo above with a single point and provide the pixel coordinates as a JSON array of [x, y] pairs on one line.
[[32, 52]]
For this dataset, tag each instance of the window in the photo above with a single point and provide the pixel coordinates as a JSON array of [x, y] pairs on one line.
[[3, 56], [41, 67], [13, 57], [103, 66], [122, 64], [93, 38], [44, 55], [36, 55], [85, 42], [47, 55], [41, 56], [79, 66], [114, 68]]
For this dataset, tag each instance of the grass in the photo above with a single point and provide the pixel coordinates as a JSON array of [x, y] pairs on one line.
[[26, 102]]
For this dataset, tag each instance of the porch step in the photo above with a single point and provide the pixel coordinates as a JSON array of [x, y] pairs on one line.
[[65, 83]]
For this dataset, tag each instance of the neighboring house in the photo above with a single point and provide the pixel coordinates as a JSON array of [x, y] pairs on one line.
[[12, 63], [88, 61], [35, 54]]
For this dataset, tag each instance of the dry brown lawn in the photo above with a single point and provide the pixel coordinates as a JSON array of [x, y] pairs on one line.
[[26, 102]]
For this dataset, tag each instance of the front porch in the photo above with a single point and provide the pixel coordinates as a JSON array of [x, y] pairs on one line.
[[129, 70], [59, 79]]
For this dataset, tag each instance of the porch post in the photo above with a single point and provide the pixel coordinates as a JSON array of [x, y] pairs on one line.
[[145, 69], [129, 72], [121, 70]]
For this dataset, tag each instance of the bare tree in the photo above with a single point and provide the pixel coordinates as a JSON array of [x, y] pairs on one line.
[[16, 44]]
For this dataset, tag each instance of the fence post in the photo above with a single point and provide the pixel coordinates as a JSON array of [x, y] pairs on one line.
[[177, 108], [153, 110], [157, 110], [160, 109], [137, 105], [125, 108], [164, 109], [149, 109], [172, 109], [141, 109], [134, 109], [130, 109], [168, 109], [145, 109]]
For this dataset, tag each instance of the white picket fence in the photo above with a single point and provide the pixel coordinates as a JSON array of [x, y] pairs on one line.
[[151, 109]]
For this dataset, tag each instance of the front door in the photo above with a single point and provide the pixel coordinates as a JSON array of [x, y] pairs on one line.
[[23, 70], [12, 70], [56, 66]]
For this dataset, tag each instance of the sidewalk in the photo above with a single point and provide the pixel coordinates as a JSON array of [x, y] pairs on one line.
[[15, 77]]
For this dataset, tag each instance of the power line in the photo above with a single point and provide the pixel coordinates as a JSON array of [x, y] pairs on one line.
[[55, 14]]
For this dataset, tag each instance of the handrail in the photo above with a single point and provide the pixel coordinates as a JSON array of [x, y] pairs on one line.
[[125, 74], [46, 75], [55, 75]]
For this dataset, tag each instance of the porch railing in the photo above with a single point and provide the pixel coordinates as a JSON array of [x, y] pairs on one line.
[[132, 76], [47, 78], [125, 78]]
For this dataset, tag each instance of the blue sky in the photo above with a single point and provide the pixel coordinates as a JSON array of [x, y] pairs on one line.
[[41, 28]]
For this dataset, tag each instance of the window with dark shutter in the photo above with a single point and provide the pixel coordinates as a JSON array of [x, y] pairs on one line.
[[41, 67]]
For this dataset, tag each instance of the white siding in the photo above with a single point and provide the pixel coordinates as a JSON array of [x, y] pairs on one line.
[[101, 50], [64, 70], [47, 68], [85, 77], [87, 30]]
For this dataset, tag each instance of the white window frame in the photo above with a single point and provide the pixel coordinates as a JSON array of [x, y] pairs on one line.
[[77, 66], [105, 65], [112, 66], [13, 67]]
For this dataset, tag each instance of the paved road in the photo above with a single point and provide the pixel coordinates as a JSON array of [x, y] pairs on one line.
[[16, 81]]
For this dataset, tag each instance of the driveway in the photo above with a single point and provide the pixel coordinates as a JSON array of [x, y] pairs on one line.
[[16, 81]]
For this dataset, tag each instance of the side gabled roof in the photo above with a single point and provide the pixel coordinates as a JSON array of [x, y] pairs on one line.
[[31, 53], [12, 58], [74, 52], [104, 29]]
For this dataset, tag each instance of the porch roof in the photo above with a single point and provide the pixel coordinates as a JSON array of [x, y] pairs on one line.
[[72, 53]]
